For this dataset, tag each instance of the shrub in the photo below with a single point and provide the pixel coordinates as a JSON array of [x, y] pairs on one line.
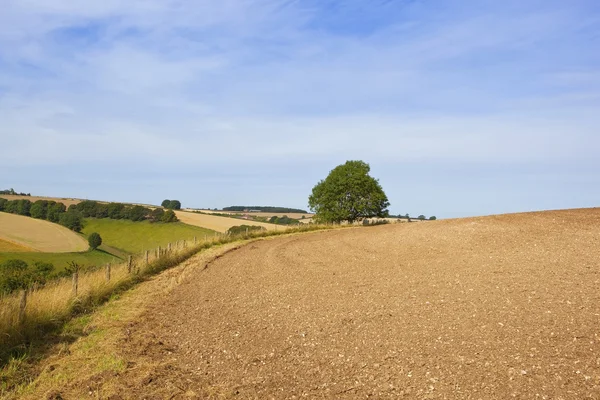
[[169, 216], [95, 240], [243, 229], [157, 214]]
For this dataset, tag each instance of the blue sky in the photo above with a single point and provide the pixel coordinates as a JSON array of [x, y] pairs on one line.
[[460, 107]]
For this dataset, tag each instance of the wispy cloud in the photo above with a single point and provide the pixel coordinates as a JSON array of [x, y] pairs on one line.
[[254, 83]]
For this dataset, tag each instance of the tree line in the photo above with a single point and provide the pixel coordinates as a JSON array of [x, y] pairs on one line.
[[11, 191], [72, 217]]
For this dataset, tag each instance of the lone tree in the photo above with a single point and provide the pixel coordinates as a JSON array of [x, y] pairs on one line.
[[348, 194], [94, 241]]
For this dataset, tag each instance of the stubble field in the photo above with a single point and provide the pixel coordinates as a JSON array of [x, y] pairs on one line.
[[39, 235]]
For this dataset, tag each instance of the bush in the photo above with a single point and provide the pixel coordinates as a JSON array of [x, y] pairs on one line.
[[243, 229], [95, 240], [169, 216], [157, 215]]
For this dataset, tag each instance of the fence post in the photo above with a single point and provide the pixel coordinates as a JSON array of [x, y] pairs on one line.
[[147, 252], [108, 272], [184, 244], [158, 252], [75, 283], [194, 240], [169, 247], [22, 306], [129, 264], [246, 231]]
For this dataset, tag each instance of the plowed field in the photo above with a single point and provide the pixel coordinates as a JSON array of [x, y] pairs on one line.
[[39, 235], [479, 308]]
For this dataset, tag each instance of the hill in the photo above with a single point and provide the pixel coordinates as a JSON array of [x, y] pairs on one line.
[[39, 235], [490, 307]]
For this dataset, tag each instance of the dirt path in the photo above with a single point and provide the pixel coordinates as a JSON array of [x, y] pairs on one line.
[[484, 308]]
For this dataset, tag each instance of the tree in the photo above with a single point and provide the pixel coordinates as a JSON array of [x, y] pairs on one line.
[[432, 218], [165, 203], [72, 219], [94, 240], [39, 209], [54, 211], [175, 205], [421, 217], [348, 194]]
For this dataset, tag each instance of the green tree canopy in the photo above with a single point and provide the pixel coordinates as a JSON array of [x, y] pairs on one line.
[[94, 240], [348, 193]]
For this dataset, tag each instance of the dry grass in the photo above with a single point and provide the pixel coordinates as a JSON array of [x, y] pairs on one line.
[[66, 201], [10, 247], [221, 224], [39, 235]]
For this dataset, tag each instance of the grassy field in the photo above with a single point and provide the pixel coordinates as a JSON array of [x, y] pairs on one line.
[[136, 237], [61, 260]]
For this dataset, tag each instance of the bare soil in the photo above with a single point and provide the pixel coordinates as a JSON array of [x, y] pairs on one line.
[[479, 308], [39, 235]]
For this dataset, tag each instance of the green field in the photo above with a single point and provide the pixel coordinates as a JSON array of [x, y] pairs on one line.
[[61, 260], [136, 237]]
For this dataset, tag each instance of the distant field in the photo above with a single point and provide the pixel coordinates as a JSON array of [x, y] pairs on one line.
[[261, 214], [6, 246], [136, 237], [66, 201], [61, 260], [39, 235], [220, 224]]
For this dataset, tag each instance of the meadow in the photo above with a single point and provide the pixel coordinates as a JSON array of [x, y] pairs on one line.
[[136, 237]]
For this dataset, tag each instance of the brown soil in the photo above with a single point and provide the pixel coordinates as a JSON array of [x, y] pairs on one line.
[[481, 308]]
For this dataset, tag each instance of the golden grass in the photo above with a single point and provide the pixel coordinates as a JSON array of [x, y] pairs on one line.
[[10, 247], [49, 307], [40, 235]]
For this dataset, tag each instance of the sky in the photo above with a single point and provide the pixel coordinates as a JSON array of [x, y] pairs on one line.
[[461, 107]]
